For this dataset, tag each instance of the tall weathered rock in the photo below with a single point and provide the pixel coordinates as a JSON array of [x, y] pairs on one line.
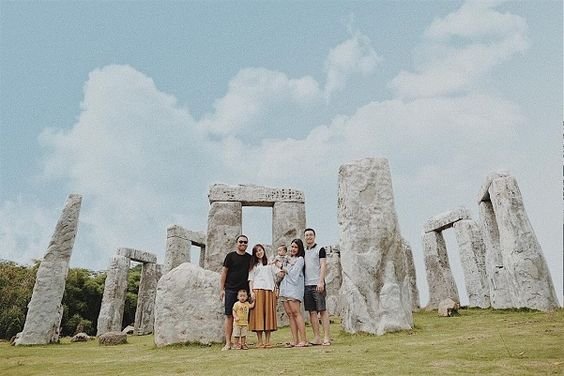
[[333, 279], [521, 251], [473, 259], [288, 222], [224, 225], [45, 309], [177, 247], [498, 279], [144, 313], [415, 304], [439, 276], [187, 307], [375, 291], [113, 300]]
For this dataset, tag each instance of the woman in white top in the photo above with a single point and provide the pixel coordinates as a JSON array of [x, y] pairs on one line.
[[261, 283]]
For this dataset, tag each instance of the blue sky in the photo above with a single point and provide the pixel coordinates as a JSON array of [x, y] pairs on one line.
[[140, 106]]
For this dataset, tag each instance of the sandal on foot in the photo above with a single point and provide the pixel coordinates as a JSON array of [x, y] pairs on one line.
[[302, 344], [326, 343], [289, 345], [244, 347]]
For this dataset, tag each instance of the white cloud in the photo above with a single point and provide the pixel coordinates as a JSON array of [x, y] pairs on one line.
[[25, 229], [353, 56], [461, 49], [251, 92]]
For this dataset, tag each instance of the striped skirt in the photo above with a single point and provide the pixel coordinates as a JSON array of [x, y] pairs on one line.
[[263, 315]]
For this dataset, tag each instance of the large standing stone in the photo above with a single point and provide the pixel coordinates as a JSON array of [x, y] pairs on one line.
[[333, 279], [415, 305], [522, 254], [445, 220], [144, 313], [113, 300], [45, 310], [473, 259], [500, 291], [288, 222], [375, 291], [439, 276], [224, 225], [177, 247], [187, 307]]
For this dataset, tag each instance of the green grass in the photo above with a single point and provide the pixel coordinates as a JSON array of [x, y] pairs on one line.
[[509, 342]]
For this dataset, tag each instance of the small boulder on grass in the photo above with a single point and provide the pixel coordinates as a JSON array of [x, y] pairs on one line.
[[80, 337], [448, 308], [112, 338]]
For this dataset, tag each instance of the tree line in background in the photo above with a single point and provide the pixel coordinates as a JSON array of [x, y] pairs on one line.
[[81, 300]]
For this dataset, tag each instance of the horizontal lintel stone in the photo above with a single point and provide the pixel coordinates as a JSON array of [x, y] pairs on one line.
[[198, 238], [137, 255], [254, 195], [445, 220]]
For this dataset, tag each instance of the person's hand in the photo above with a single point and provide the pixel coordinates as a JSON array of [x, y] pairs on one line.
[[221, 294], [320, 287], [252, 295], [281, 274]]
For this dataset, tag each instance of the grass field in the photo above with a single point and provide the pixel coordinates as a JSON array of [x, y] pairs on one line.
[[476, 342]]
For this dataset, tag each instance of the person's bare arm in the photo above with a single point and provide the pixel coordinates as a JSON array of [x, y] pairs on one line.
[[222, 279], [322, 272]]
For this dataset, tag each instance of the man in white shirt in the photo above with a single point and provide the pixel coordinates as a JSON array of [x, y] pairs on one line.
[[314, 293]]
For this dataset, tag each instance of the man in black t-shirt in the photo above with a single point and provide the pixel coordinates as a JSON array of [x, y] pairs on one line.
[[234, 276]]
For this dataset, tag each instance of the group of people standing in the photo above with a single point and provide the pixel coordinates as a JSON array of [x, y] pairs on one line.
[[292, 279]]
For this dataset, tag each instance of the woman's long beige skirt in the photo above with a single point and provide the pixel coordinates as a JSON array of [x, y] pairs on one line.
[[263, 315]]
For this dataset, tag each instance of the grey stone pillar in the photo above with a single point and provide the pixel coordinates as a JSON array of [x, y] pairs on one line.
[[415, 304], [113, 300], [144, 313], [224, 225], [45, 310], [333, 279], [500, 292], [439, 276], [522, 254], [177, 247], [288, 223], [473, 259], [375, 290]]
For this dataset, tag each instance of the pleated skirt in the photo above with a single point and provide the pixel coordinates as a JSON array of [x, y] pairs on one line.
[[263, 315]]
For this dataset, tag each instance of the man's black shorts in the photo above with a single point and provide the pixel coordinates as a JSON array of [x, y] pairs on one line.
[[313, 300], [230, 299]]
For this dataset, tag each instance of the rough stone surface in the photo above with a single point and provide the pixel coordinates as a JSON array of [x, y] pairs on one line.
[[224, 225], [484, 194], [375, 291], [128, 330], [144, 313], [333, 280], [178, 247], [445, 220], [415, 304], [448, 308], [45, 309], [500, 292], [528, 273], [473, 259], [113, 299], [80, 337], [187, 307], [254, 195], [137, 255], [439, 276], [288, 223], [112, 338]]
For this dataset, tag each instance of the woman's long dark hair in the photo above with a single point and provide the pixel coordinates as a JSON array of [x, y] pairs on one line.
[[301, 249], [255, 259]]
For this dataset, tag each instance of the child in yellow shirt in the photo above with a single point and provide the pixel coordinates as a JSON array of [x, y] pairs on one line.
[[241, 319]]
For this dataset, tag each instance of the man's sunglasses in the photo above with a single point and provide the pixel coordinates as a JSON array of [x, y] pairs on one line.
[[243, 242]]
